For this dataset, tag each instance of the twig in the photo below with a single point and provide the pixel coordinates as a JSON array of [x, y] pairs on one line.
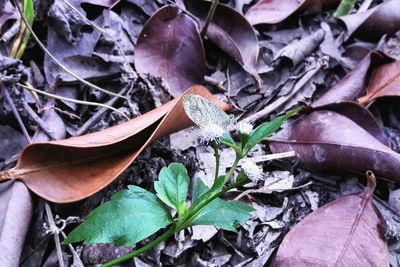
[[269, 157], [268, 191], [85, 127], [209, 17], [214, 82], [53, 227], [82, 102], [43, 47], [71, 248], [38, 120], [15, 112]]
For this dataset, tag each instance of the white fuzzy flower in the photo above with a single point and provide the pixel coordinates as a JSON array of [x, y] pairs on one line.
[[244, 127], [211, 132], [252, 171]]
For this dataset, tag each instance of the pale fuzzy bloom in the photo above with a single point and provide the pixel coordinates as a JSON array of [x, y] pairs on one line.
[[252, 171], [244, 127], [211, 132]]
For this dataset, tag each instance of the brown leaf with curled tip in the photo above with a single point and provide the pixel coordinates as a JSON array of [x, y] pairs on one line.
[[345, 232], [275, 11], [75, 168], [170, 46], [385, 81], [353, 84]]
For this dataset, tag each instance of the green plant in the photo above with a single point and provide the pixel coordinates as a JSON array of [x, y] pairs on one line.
[[345, 7], [22, 38], [134, 214]]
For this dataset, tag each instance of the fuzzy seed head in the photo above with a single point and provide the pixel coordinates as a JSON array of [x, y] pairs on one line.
[[252, 171], [211, 132], [244, 127]]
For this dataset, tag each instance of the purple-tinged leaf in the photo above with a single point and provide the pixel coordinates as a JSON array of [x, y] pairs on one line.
[[375, 22], [170, 47], [345, 232], [275, 11], [326, 140]]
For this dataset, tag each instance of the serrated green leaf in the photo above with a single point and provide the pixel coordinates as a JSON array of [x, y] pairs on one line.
[[129, 217], [227, 215], [204, 113], [173, 185], [266, 129]]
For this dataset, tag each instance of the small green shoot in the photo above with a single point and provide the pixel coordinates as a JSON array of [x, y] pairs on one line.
[[345, 7], [22, 38]]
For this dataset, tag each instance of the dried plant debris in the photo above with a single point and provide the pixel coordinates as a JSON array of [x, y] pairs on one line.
[[263, 58]]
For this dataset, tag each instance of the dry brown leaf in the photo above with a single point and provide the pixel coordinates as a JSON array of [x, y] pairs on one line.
[[275, 11], [345, 232], [385, 81], [72, 169]]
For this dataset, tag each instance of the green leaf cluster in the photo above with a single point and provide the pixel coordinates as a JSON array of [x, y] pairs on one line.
[[134, 214]]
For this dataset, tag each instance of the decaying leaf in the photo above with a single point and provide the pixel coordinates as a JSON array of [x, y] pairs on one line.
[[72, 169], [385, 81], [375, 22], [326, 140], [296, 51], [274, 11], [345, 232], [231, 32], [353, 84], [170, 47]]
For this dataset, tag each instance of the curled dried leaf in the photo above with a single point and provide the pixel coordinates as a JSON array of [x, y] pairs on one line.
[[72, 169]]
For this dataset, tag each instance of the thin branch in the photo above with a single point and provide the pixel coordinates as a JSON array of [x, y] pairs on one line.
[[209, 17], [99, 113], [269, 157], [269, 191], [54, 228], [81, 102], [15, 112]]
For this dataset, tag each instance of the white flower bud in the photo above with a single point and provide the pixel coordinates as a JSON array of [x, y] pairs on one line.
[[244, 127], [252, 171], [211, 132]]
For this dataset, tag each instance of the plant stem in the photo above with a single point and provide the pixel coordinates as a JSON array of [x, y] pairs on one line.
[[209, 196], [209, 17], [141, 250], [217, 157], [181, 224], [191, 218]]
